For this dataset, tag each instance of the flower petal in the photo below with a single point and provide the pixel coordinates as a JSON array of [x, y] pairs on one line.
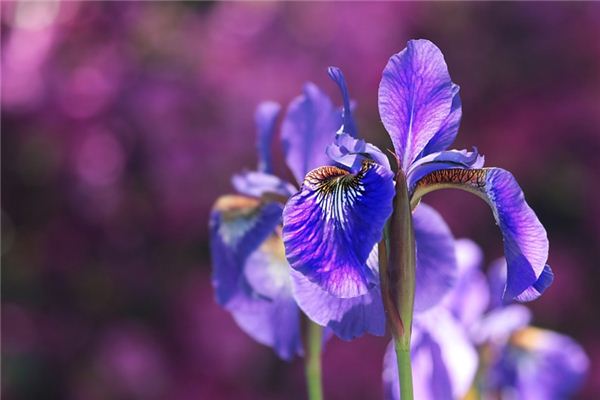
[[265, 117], [462, 159], [350, 152], [553, 366], [415, 98], [436, 259], [332, 224], [348, 318], [274, 323], [525, 239], [309, 126], [238, 226], [497, 325], [348, 124], [470, 296], [257, 184], [444, 361], [268, 313], [449, 129]]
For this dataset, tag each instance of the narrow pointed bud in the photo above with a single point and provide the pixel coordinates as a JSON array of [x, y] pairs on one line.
[[397, 261]]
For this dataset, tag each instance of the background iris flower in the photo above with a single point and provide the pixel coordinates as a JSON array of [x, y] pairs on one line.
[[473, 344]]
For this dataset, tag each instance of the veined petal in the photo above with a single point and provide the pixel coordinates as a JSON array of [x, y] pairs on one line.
[[444, 361], [348, 318], [449, 129], [436, 259], [348, 124], [238, 226], [525, 239], [497, 281], [415, 98], [257, 184], [332, 224], [539, 287], [461, 159], [309, 126], [265, 117]]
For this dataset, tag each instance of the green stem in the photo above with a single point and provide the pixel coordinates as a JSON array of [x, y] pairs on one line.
[[401, 286], [404, 370], [313, 361]]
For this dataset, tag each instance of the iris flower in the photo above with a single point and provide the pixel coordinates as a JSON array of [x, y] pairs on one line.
[[333, 225], [515, 359]]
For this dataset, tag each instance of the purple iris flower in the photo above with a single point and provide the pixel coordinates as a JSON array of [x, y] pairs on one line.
[[332, 226], [473, 343], [251, 276]]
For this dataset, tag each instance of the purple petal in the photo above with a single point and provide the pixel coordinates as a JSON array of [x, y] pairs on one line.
[[525, 239], [436, 259], [309, 126], [268, 312], [348, 124], [274, 323], [497, 281], [539, 287], [265, 117], [331, 225], [351, 152], [238, 225], [499, 324], [257, 184], [415, 98], [449, 129], [348, 318], [461, 159], [469, 298], [444, 361], [552, 367]]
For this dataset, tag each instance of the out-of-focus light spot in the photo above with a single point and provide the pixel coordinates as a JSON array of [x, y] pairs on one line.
[[100, 159], [87, 92], [35, 15]]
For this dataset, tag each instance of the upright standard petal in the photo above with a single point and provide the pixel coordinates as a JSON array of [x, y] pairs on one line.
[[350, 152], [268, 313], [348, 124], [525, 239], [332, 224], [444, 361], [309, 126], [238, 226], [449, 129], [265, 118], [436, 259], [415, 98], [348, 318]]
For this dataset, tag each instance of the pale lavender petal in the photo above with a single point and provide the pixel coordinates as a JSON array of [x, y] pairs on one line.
[[348, 318], [497, 325], [415, 98], [265, 118], [469, 298], [436, 258], [309, 126], [351, 152], [444, 361], [257, 184], [332, 224]]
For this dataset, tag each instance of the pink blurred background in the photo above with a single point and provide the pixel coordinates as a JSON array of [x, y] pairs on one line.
[[122, 123]]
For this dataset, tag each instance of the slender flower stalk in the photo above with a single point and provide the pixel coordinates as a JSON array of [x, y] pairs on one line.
[[402, 259], [312, 361]]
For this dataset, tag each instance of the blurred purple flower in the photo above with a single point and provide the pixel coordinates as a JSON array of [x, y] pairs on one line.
[[515, 360]]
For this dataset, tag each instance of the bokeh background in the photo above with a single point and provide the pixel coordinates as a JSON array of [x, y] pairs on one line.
[[123, 122]]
